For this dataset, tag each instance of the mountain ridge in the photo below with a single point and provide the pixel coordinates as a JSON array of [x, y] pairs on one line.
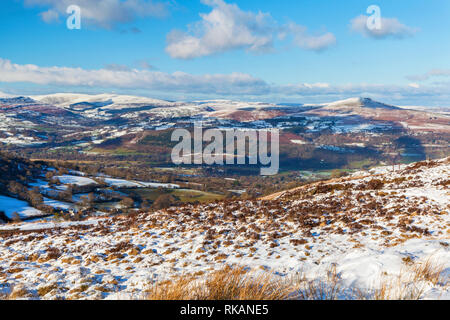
[[67, 99]]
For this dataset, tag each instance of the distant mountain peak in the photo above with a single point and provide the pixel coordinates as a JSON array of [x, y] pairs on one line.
[[360, 102], [17, 100]]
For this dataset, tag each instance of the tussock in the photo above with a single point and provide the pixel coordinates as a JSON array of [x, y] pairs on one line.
[[411, 283], [226, 284]]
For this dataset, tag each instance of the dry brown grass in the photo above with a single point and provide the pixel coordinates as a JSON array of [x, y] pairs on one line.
[[42, 291], [329, 288], [412, 282], [430, 270], [238, 284], [226, 284], [18, 292], [396, 289]]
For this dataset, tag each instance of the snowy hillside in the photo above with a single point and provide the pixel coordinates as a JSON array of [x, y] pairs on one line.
[[111, 100], [129, 114], [359, 103], [367, 226]]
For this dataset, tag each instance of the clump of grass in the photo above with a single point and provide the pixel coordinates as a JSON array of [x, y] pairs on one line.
[[80, 289], [430, 270], [226, 284], [239, 284], [411, 283], [42, 291], [171, 290], [397, 288], [18, 292], [329, 288]]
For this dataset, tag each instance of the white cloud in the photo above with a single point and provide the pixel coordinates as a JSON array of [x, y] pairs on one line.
[[309, 42], [227, 27], [390, 27], [145, 65], [101, 13], [50, 16], [430, 74], [117, 67], [235, 85], [116, 76]]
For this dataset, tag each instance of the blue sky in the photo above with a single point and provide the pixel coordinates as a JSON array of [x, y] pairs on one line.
[[287, 50]]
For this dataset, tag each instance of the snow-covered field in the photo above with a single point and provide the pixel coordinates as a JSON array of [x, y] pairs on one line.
[[75, 180], [369, 226], [11, 205], [80, 179], [121, 183], [58, 204]]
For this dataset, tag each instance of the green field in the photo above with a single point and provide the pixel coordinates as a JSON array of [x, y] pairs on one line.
[[183, 195]]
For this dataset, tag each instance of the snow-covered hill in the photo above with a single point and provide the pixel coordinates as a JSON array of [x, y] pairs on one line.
[[367, 226], [113, 101], [359, 103], [111, 115]]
